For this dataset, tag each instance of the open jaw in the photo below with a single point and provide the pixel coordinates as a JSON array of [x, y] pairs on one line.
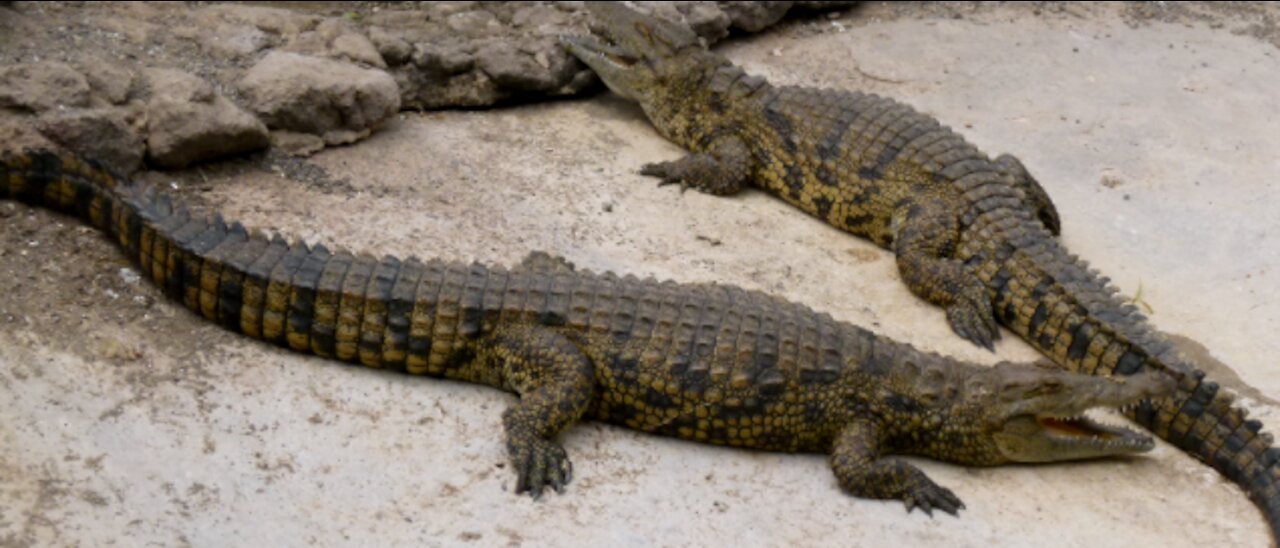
[[1067, 436], [587, 47]]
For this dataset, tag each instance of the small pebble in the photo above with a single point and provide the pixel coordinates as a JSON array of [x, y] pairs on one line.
[[129, 276]]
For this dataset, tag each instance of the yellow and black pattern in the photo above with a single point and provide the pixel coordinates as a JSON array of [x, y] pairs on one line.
[[972, 234], [708, 363]]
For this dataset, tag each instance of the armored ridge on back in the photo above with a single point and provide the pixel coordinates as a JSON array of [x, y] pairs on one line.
[[708, 363], [971, 234]]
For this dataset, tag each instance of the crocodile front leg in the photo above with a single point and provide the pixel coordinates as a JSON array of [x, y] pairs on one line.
[[856, 461], [556, 383], [924, 240], [721, 171]]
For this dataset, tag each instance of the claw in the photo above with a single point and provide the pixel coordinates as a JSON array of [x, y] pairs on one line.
[[522, 481], [660, 170], [540, 465], [663, 170], [666, 172], [960, 330], [537, 477], [923, 505], [553, 479], [932, 497], [566, 474], [988, 341], [683, 187], [971, 318]]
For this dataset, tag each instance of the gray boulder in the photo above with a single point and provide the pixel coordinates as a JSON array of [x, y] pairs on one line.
[[188, 122], [336, 101]]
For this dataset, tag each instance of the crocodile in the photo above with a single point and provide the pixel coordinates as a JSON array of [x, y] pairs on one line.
[[709, 363], [971, 234]]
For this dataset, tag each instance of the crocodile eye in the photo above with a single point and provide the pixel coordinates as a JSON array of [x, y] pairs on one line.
[[1050, 386]]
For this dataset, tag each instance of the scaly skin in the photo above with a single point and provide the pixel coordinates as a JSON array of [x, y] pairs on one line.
[[708, 363], [971, 234]]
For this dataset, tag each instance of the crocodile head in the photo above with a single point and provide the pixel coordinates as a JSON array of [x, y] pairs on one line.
[[1021, 414], [637, 55]]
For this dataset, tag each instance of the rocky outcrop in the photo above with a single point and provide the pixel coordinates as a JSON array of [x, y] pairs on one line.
[[38, 87], [108, 134], [301, 80], [188, 121], [334, 101]]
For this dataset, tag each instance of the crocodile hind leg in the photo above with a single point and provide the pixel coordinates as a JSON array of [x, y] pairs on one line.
[[1037, 199], [925, 238], [555, 383], [722, 170], [858, 466]]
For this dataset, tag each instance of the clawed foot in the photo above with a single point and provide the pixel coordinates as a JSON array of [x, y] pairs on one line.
[[668, 172], [701, 172], [929, 496], [540, 464], [972, 319]]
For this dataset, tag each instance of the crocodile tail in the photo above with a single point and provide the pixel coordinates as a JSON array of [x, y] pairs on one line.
[[1075, 317], [307, 298], [62, 183]]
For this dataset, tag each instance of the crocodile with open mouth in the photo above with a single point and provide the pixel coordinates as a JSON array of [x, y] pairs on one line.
[[704, 362]]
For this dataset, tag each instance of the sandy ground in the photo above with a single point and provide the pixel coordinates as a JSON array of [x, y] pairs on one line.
[[126, 420]]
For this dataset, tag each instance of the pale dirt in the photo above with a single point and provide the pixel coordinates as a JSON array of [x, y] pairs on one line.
[[125, 419]]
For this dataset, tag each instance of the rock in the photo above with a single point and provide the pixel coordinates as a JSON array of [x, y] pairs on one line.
[[106, 134], [110, 82], [443, 59], [296, 144], [825, 5], [133, 28], [443, 10], [394, 50], [17, 133], [357, 48], [336, 38], [177, 86], [754, 16], [476, 54], [334, 27], [474, 24], [706, 19], [336, 101], [233, 41], [510, 67], [277, 21], [449, 75], [471, 89], [540, 18], [188, 122], [43, 86]]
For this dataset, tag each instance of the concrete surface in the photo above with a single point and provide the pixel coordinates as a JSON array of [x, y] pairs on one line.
[[125, 420]]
